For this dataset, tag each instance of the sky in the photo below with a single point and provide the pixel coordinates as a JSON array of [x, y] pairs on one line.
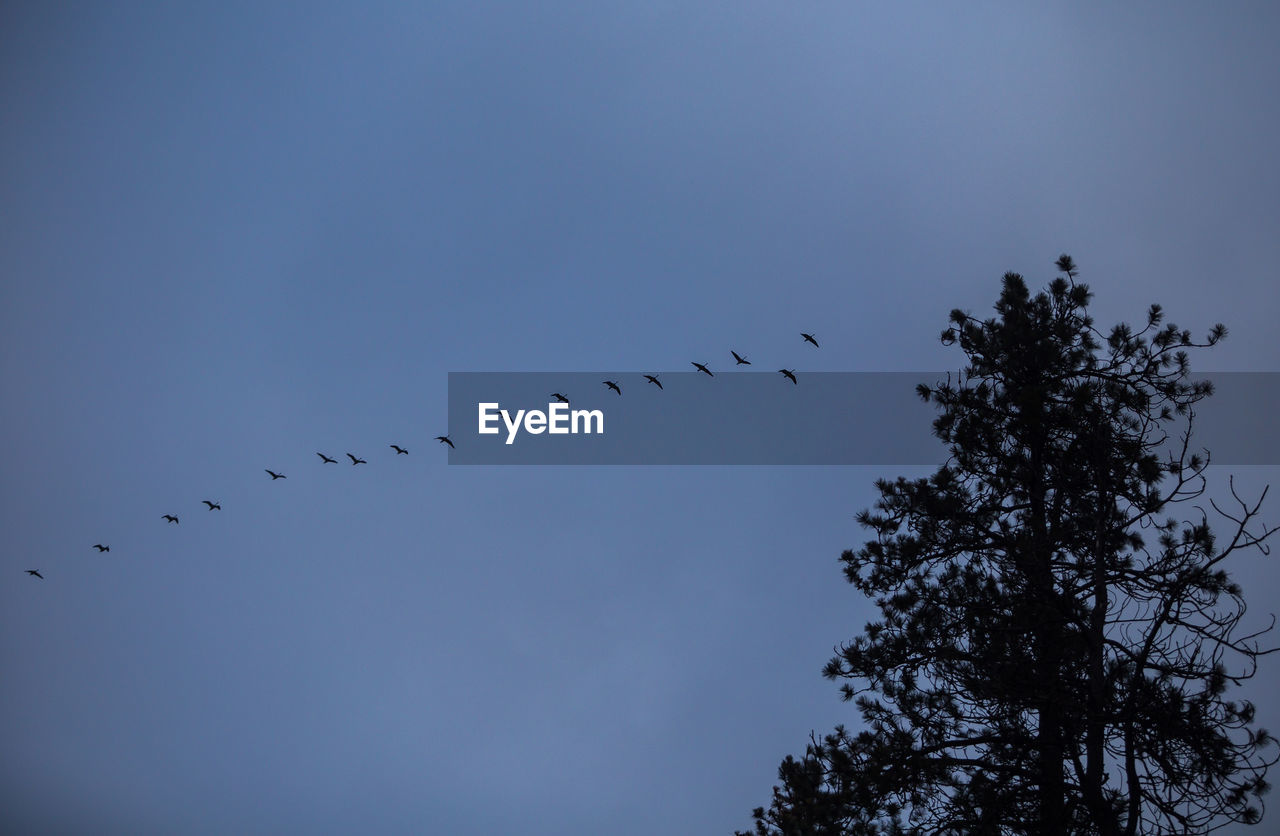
[[235, 234]]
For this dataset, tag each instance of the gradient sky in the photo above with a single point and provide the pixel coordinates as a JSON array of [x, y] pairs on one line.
[[238, 233]]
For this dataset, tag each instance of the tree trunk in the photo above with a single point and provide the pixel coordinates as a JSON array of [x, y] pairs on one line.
[[1051, 767], [1096, 721]]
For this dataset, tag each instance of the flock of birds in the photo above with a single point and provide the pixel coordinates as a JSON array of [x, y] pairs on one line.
[[172, 519], [739, 360]]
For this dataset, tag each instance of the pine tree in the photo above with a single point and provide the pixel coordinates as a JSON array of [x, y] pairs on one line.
[[1055, 643]]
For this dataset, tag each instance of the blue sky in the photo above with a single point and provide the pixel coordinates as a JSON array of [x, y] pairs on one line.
[[237, 233]]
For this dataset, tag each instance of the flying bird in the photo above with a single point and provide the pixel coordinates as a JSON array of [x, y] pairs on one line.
[[355, 461], [561, 398], [101, 548], [400, 451], [653, 380], [444, 439], [275, 476], [613, 385], [741, 361], [809, 339], [213, 506], [703, 368], [34, 572], [326, 459], [789, 374], [170, 517]]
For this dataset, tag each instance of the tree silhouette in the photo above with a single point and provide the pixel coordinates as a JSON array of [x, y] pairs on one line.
[[1054, 644]]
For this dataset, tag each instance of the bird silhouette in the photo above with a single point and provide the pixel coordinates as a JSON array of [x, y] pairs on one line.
[[613, 385], [789, 374], [741, 360], [275, 476], [355, 461], [703, 368], [213, 506], [561, 398], [170, 517], [809, 339], [101, 548], [34, 572], [444, 439], [400, 451], [653, 380], [326, 459]]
